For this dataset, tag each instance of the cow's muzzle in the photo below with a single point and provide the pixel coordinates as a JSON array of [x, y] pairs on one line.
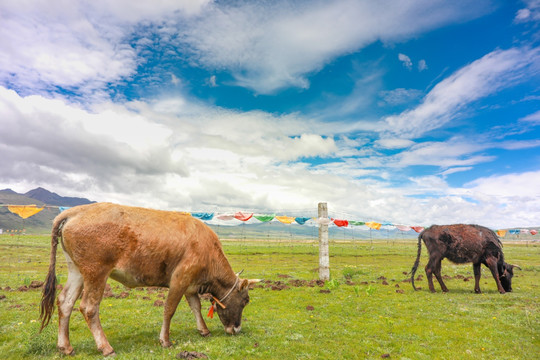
[[233, 330]]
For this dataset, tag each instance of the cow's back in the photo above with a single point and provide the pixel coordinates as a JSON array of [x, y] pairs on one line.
[[460, 243]]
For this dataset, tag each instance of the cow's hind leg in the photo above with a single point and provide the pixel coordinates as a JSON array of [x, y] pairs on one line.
[[93, 293], [430, 268], [195, 305], [437, 273], [477, 274], [66, 300]]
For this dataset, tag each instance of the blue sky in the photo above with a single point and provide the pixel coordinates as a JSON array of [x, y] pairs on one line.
[[409, 112]]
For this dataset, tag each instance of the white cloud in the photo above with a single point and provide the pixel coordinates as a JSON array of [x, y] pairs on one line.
[[156, 154], [456, 170], [400, 96], [212, 81], [405, 60], [271, 45], [452, 153], [394, 143], [449, 99], [265, 45], [73, 44], [508, 185], [175, 80], [533, 118], [529, 13], [422, 65]]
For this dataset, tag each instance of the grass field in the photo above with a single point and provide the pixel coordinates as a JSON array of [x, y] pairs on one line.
[[366, 311]]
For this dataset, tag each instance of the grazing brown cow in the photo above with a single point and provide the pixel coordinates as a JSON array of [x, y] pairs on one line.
[[464, 244], [139, 247]]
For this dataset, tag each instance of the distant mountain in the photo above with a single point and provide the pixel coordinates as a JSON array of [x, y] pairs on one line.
[[51, 198], [42, 221]]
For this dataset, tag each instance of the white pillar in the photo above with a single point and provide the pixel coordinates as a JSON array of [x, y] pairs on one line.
[[324, 258]]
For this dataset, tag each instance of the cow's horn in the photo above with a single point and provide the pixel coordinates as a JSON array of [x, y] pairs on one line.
[[515, 266], [240, 273], [254, 281]]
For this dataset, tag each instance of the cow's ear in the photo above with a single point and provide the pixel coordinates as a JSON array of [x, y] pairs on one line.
[[244, 284]]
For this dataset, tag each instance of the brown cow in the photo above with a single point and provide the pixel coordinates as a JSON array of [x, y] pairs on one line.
[[139, 247], [464, 244]]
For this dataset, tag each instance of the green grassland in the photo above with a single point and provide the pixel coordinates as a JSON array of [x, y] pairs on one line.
[[366, 311]]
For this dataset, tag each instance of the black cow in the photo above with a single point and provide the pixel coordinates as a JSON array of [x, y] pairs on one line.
[[464, 244]]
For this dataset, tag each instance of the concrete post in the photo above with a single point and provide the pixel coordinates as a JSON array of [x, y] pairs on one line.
[[324, 258]]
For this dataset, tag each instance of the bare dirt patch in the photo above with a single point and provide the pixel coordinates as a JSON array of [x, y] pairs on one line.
[[191, 355]]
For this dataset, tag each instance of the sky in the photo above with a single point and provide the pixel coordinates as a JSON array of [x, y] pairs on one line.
[[409, 112]]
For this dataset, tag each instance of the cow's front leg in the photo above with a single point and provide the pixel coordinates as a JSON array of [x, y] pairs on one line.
[[177, 288], [195, 305], [492, 265], [477, 274]]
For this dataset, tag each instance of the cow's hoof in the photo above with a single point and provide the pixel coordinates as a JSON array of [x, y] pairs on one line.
[[477, 291], [165, 344], [205, 333], [502, 292], [108, 352], [66, 350]]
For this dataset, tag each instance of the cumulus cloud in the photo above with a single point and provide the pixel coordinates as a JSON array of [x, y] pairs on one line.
[[405, 60], [449, 99], [143, 152]]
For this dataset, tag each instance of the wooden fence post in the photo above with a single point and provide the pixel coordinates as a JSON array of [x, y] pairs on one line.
[[324, 259]]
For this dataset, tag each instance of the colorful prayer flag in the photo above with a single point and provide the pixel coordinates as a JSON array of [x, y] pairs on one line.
[[25, 211], [301, 220], [285, 219], [341, 223], [373, 225], [203, 215], [264, 218], [242, 217]]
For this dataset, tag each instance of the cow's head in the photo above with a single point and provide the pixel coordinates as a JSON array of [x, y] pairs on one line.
[[231, 315], [506, 274]]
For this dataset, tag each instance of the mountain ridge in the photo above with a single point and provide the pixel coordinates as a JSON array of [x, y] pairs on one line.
[[42, 221]]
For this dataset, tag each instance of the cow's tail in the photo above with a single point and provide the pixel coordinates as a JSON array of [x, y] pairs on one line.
[[417, 262], [46, 308]]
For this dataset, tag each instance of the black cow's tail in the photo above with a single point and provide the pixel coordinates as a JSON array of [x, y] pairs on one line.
[[46, 308], [417, 262]]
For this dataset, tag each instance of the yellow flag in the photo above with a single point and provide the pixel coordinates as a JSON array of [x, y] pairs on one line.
[[373, 225], [501, 233], [25, 211], [285, 219]]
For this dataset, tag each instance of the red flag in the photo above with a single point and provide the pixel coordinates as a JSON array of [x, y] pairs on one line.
[[341, 223]]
